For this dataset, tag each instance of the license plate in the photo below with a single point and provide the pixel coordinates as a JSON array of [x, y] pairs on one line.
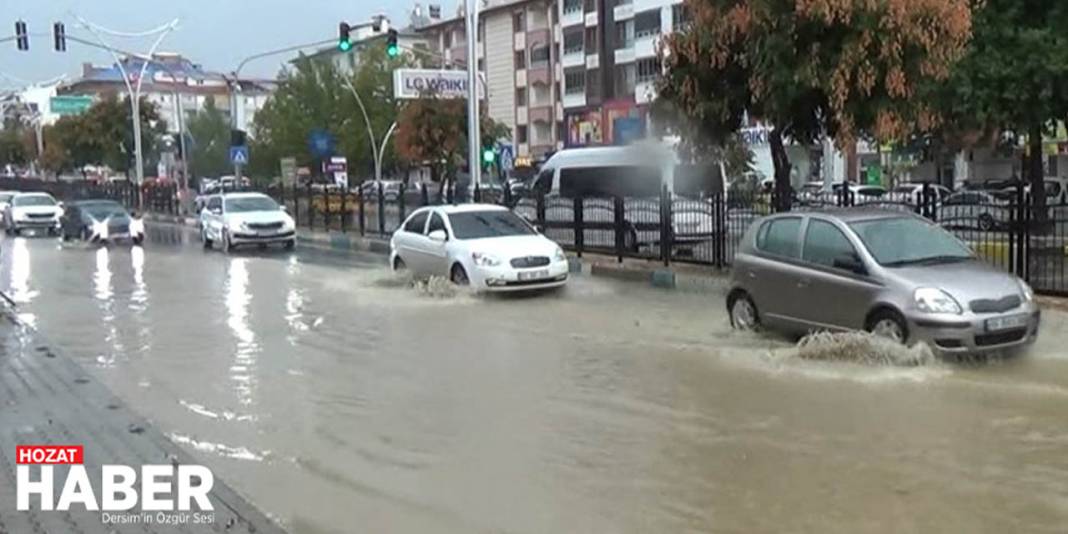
[[1006, 323], [534, 275]]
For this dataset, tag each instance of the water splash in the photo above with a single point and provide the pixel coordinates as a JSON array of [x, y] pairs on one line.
[[862, 347]]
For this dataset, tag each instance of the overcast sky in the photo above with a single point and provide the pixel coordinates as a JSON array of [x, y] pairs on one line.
[[216, 33]]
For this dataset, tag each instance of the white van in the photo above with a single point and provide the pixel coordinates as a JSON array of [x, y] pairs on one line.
[[636, 173]]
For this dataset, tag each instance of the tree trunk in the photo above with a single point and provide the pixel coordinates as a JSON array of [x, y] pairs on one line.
[[1036, 177], [781, 162]]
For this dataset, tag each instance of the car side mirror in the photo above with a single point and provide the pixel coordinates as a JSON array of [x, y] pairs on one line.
[[850, 263], [283, 207], [216, 211], [438, 235]]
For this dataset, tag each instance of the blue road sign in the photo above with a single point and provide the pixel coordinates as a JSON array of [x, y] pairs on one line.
[[239, 155], [321, 143]]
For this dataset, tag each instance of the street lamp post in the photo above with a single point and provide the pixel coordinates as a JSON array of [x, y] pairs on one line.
[[134, 91], [474, 164]]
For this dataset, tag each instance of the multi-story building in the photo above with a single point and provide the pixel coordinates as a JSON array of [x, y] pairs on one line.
[[173, 83], [609, 61], [515, 59]]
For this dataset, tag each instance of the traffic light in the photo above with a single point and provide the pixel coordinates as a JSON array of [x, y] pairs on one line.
[[344, 42], [488, 155], [59, 34], [22, 37], [238, 138], [392, 48]]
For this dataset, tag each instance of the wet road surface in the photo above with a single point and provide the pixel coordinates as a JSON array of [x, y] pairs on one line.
[[339, 399]]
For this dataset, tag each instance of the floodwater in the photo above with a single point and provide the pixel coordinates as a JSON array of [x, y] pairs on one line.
[[340, 399]]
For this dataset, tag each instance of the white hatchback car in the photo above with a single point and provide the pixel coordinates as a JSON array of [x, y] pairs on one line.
[[484, 245], [233, 219]]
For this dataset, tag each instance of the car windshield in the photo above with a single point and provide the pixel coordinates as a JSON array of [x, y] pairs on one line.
[[256, 203], [34, 200], [103, 210], [481, 224], [6, 197], [895, 242]]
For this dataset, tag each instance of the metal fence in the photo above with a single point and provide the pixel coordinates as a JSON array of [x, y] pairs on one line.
[[1005, 227]]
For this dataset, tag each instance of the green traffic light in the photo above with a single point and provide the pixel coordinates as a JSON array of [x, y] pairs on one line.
[[488, 156], [344, 45], [393, 50]]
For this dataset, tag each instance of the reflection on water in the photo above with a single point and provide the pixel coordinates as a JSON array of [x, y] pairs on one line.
[[237, 308], [19, 284], [104, 291], [139, 296]]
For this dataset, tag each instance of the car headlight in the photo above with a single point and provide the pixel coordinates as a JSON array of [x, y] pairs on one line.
[[19, 216], [559, 255], [485, 260], [137, 226], [100, 229], [288, 223], [934, 300], [1028, 293]]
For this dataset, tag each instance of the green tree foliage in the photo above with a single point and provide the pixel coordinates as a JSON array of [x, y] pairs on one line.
[[1014, 78], [12, 148], [315, 95], [433, 132], [103, 135], [810, 68], [208, 142]]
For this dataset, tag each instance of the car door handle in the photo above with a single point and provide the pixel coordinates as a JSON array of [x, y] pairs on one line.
[[751, 275], [803, 283]]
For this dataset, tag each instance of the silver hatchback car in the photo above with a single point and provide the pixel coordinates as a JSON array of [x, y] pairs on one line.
[[890, 273]]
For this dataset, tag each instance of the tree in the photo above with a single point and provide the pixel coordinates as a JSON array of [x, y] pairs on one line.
[[208, 141], [315, 95], [810, 68], [12, 148], [103, 135], [433, 132], [1014, 78]]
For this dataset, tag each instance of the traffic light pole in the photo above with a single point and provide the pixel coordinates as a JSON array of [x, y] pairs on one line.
[[474, 140]]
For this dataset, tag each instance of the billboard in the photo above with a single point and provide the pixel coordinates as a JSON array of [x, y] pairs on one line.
[[70, 104], [418, 83]]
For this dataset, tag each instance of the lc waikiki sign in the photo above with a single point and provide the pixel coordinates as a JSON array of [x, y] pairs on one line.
[[410, 84], [165, 493]]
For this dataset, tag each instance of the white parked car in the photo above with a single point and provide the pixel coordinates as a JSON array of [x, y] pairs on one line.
[[484, 245], [234, 219], [912, 193], [32, 211]]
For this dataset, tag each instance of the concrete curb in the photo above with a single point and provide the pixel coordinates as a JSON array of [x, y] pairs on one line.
[[330, 240]]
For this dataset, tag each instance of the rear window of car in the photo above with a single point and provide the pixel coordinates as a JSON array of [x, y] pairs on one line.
[[781, 237]]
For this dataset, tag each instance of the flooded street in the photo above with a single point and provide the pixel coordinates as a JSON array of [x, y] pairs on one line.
[[340, 399]]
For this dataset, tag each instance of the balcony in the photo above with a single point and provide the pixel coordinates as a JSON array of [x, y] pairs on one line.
[[572, 17], [593, 61], [541, 114], [624, 55], [623, 12], [539, 73], [591, 18], [645, 46], [575, 100], [573, 58], [519, 41]]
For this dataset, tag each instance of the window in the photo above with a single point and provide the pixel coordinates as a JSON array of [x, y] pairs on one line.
[[436, 223], [591, 40], [417, 222], [647, 23], [625, 181], [539, 55], [624, 80], [593, 88], [481, 65], [215, 204], [544, 183], [519, 22], [680, 17], [447, 36], [781, 237], [570, 6], [521, 96], [487, 224], [575, 81], [825, 243], [573, 42], [899, 241], [648, 69], [624, 34], [521, 134], [521, 59]]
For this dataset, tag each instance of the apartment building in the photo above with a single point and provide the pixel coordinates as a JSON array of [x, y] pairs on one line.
[[609, 61], [515, 58]]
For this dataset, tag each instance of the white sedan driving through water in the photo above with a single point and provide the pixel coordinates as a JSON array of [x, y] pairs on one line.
[[482, 245]]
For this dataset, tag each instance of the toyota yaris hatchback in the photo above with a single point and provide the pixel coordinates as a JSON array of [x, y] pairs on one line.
[[486, 246], [896, 275]]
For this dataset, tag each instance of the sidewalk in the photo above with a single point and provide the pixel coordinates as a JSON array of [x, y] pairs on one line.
[[47, 398]]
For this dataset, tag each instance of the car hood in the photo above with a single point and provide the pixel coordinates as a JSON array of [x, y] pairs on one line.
[[257, 217], [965, 281], [36, 210], [507, 248]]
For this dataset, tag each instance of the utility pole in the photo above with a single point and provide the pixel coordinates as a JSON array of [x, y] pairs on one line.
[[474, 140]]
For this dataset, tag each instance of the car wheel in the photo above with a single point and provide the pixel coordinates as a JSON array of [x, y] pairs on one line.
[[890, 325], [204, 237], [290, 244], [399, 265], [986, 222], [227, 245], [459, 275], [743, 312]]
